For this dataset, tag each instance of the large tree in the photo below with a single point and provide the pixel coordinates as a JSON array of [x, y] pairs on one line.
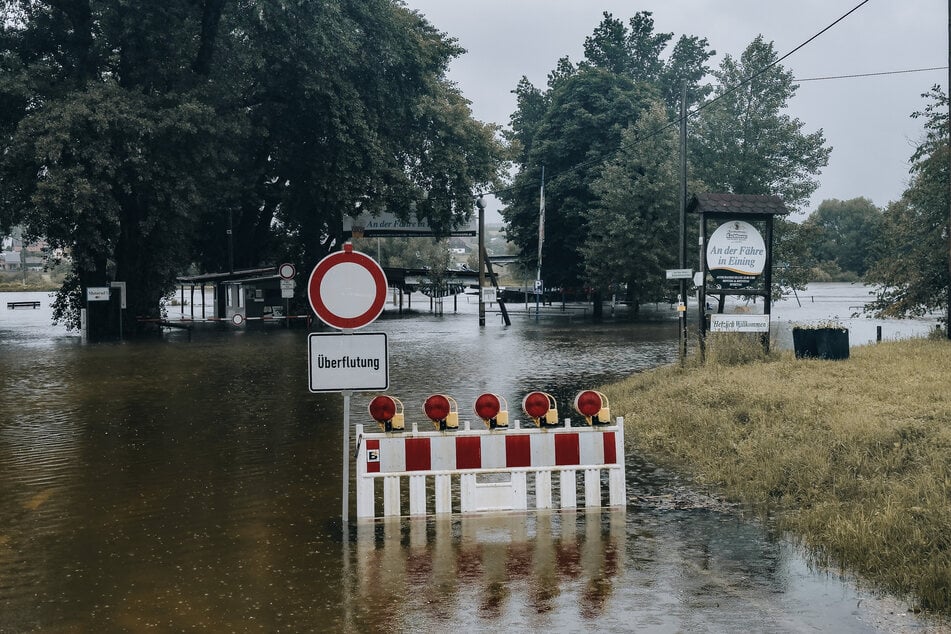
[[114, 144], [136, 134], [742, 142], [634, 224], [353, 113], [636, 51], [573, 126], [582, 125], [911, 272], [847, 232]]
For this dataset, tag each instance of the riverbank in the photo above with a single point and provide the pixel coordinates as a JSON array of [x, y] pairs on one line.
[[852, 457], [32, 281]]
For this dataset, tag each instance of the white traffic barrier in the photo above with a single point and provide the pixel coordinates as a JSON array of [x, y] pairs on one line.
[[491, 467]]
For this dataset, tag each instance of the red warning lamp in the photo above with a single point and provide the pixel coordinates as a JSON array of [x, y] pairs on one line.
[[541, 405], [388, 412], [593, 406], [492, 409], [443, 411]]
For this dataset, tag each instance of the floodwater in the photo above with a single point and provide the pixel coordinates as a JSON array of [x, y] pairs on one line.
[[193, 483]]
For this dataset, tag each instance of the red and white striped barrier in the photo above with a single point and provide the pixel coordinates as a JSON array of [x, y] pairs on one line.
[[472, 455]]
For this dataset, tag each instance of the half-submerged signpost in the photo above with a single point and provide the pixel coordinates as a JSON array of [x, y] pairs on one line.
[[347, 291]]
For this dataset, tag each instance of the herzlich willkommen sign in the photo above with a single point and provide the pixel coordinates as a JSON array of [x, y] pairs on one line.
[[739, 323]]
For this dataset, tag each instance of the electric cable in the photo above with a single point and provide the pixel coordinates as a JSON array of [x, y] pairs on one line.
[[700, 107]]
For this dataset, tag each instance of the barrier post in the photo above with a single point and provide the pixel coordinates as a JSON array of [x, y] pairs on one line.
[[617, 489]]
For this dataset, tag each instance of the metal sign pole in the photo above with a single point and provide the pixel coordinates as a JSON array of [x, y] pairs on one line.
[[345, 511], [340, 300], [682, 307]]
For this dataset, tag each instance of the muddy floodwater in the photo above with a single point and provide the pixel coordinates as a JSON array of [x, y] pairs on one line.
[[193, 483]]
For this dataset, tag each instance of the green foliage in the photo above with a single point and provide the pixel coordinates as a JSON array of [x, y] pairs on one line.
[[14, 281], [139, 134], [582, 125], [792, 255], [610, 203], [829, 271], [848, 232], [635, 50], [634, 225], [742, 143], [911, 269], [576, 124], [409, 253]]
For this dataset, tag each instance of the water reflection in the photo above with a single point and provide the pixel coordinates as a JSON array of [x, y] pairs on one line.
[[417, 574], [194, 484]]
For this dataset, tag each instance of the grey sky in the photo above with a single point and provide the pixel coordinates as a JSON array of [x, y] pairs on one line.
[[866, 120]]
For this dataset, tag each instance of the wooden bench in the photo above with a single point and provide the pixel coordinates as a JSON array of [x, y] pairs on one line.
[[15, 305]]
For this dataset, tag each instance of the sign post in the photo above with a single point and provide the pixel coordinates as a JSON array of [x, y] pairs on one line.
[[94, 294], [347, 291], [736, 259], [287, 272], [683, 275], [122, 302]]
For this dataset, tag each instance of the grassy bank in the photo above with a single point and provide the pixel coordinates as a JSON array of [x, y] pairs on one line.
[[17, 282], [853, 456]]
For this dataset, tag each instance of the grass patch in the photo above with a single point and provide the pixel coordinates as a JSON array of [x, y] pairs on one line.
[[853, 456], [13, 282]]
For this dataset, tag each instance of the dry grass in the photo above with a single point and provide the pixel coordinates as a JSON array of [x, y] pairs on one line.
[[854, 455]]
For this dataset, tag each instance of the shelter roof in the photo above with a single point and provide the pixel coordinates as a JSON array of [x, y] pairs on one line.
[[737, 204]]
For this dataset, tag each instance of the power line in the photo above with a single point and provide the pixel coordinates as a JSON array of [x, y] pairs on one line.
[[749, 79], [887, 72], [700, 107]]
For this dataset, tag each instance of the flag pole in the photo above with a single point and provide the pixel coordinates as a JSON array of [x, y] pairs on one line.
[[541, 241]]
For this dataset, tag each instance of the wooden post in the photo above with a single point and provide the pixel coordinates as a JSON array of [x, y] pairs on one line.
[[702, 298], [768, 279], [480, 203], [682, 314], [495, 284]]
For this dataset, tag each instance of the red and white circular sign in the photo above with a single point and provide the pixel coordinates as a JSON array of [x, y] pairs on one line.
[[347, 289]]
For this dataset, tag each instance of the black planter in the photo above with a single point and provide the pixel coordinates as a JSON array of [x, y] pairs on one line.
[[821, 343]]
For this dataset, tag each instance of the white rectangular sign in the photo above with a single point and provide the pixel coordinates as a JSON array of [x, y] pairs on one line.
[[287, 289], [739, 323], [679, 274], [97, 294], [387, 224], [347, 362], [121, 287]]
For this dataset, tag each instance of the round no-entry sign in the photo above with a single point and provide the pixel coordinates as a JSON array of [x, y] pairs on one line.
[[287, 271], [347, 289]]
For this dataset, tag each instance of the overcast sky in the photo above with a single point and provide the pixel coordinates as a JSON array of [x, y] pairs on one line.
[[865, 120]]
